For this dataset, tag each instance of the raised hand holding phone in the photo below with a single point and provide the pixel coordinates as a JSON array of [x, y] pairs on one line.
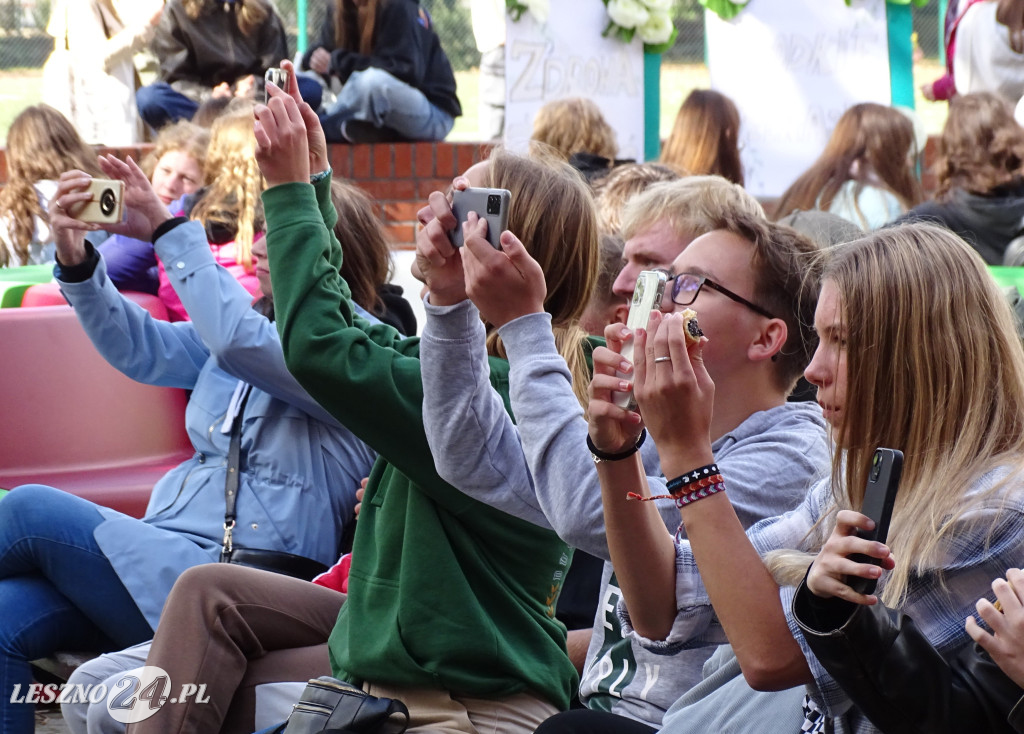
[[503, 284], [647, 296], [879, 500]]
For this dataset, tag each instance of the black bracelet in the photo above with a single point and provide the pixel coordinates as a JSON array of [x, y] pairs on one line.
[[600, 455], [166, 226]]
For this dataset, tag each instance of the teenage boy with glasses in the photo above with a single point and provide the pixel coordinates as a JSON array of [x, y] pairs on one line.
[[543, 469]]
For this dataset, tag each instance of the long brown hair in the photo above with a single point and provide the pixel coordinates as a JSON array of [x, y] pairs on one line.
[[705, 137], [935, 369], [572, 125], [354, 25], [251, 14], [554, 215], [981, 147], [869, 145], [233, 182], [366, 265], [41, 145], [1010, 13]]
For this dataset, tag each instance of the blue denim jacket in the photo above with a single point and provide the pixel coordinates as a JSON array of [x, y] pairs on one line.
[[300, 468]]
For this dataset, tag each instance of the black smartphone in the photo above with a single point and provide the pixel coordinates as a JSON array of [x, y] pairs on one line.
[[489, 204], [879, 499]]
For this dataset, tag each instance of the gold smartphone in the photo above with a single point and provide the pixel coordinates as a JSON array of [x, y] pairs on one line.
[[106, 205]]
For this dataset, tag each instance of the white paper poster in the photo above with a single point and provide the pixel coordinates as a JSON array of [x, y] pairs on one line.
[[567, 57], [793, 67]]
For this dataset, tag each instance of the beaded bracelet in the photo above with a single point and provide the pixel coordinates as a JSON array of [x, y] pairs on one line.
[[699, 494], [700, 478], [600, 455]]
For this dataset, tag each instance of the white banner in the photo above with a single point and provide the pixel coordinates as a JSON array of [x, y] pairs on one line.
[[793, 67], [567, 57]]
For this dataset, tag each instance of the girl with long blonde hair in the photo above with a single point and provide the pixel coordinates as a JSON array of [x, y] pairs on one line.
[[229, 204], [917, 351], [41, 145], [866, 172]]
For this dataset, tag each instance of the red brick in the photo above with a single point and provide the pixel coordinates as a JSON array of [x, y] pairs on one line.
[[361, 162], [379, 189], [424, 159], [427, 186], [401, 211], [341, 160], [403, 160], [402, 190], [483, 151], [465, 157], [382, 154], [444, 160], [401, 235]]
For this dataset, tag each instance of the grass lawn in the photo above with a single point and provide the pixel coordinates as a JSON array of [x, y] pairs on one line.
[[22, 87]]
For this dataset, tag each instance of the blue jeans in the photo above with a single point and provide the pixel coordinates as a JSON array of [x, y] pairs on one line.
[[160, 104], [374, 96], [57, 591]]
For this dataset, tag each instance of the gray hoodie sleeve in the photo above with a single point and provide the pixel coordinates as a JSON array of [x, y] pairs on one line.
[[554, 434], [474, 442]]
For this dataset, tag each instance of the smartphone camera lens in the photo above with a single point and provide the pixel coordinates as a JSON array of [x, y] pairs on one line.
[[493, 204], [108, 202], [876, 466]]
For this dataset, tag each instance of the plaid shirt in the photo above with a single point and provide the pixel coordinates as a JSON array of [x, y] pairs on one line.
[[987, 540]]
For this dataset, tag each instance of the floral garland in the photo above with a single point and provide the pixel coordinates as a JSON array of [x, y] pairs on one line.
[[728, 9], [649, 19]]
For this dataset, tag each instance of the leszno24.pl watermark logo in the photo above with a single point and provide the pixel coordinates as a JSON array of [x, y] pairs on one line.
[[132, 697]]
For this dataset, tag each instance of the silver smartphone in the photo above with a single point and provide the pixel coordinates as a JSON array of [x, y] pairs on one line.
[[489, 204], [647, 297], [279, 77]]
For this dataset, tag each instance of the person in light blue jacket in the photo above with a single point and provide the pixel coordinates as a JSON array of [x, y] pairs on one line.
[[74, 575]]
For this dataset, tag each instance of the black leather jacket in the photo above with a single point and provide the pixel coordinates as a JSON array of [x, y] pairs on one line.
[[892, 673]]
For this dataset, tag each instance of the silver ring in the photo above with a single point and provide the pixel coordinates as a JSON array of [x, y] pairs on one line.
[[662, 359], [59, 207]]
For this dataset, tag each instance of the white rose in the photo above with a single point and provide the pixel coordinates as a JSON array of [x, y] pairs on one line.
[[657, 29], [658, 5], [539, 9], [627, 13]]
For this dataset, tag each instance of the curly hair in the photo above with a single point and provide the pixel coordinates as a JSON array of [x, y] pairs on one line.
[[41, 145], [573, 125], [233, 182], [981, 147], [183, 136]]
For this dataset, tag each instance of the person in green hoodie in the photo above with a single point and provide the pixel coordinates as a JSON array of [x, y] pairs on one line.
[[451, 603]]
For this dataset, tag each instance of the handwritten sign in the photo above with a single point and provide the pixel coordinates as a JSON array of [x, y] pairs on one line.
[[793, 67], [567, 57]]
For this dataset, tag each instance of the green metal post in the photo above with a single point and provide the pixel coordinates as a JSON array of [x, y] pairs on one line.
[[652, 106], [901, 54], [943, 4], [300, 40]]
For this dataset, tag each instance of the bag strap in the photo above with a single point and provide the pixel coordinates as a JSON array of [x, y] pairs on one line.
[[231, 481], [391, 726]]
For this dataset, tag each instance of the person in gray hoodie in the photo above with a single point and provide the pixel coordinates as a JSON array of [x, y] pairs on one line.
[[540, 468]]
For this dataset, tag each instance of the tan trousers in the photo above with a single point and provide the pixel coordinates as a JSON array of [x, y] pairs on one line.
[[438, 712], [231, 628]]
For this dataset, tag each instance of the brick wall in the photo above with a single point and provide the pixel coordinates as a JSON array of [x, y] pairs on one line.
[[399, 176]]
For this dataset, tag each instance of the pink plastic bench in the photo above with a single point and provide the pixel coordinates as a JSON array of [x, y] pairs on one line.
[[70, 420], [48, 294]]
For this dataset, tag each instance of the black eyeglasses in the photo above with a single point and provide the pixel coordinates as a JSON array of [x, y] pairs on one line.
[[685, 288]]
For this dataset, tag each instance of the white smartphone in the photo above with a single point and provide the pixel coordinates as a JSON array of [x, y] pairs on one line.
[[489, 204], [647, 297], [280, 79], [106, 205]]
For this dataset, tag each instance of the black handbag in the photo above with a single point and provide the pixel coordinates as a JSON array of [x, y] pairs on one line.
[[332, 706], [288, 564]]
